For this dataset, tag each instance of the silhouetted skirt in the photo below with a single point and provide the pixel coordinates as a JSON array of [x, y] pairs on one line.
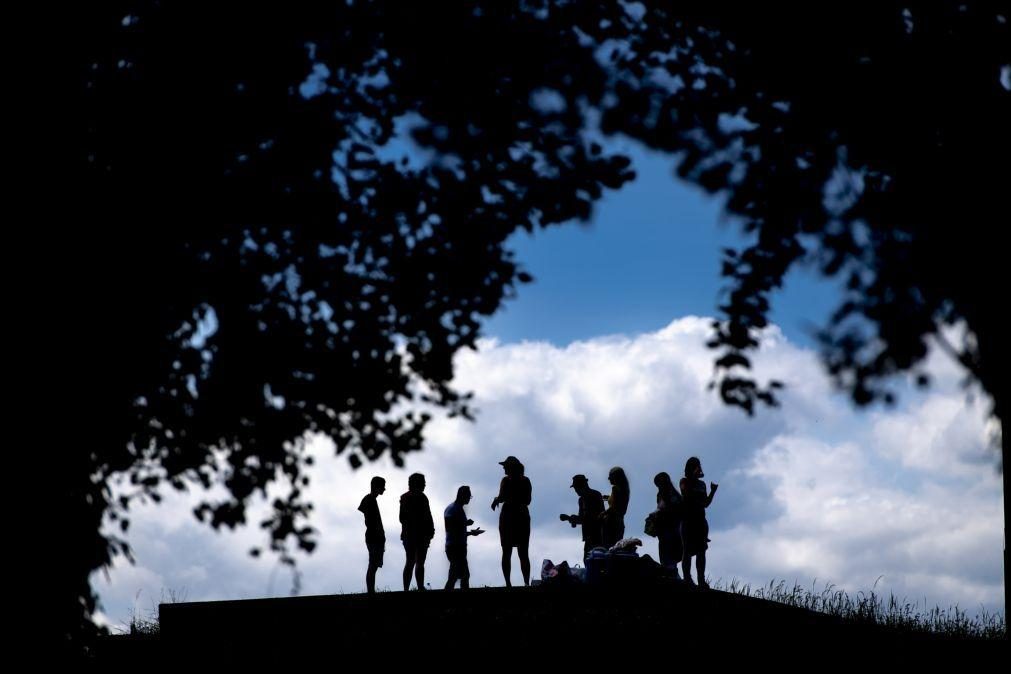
[[514, 526], [612, 529], [694, 536]]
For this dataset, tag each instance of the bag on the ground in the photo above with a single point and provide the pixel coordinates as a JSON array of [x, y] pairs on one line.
[[548, 570]]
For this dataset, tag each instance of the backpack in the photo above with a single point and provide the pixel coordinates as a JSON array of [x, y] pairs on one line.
[[651, 520]]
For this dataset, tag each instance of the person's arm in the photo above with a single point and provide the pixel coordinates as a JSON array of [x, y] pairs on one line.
[[528, 496], [429, 521], [712, 492], [499, 499], [577, 519]]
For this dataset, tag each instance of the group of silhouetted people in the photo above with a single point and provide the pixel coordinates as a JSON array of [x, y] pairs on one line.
[[680, 519], [679, 523]]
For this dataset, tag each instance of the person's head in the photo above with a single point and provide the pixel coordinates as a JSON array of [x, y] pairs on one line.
[[693, 468], [463, 495], [617, 477], [378, 485], [416, 482], [663, 482], [512, 466], [580, 484]]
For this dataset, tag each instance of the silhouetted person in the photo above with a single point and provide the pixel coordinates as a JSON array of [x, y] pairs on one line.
[[613, 527], [514, 494], [668, 521], [456, 539], [375, 535], [417, 529], [694, 527], [591, 507]]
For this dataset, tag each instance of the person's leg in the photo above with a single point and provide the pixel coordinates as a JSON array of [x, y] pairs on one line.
[[686, 569], [451, 581], [700, 568], [370, 578], [419, 566], [686, 558], [677, 551], [464, 571], [408, 566], [507, 553], [524, 553]]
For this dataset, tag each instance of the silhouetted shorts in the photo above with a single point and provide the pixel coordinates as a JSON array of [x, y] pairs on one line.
[[377, 548], [695, 536], [458, 568]]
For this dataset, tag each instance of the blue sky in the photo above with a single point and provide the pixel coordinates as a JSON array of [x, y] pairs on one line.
[[651, 252]]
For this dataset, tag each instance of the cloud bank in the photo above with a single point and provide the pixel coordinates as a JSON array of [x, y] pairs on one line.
[[906, 500]]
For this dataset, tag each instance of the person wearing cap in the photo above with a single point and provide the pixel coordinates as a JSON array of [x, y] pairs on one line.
[[514, 496], [591, 507]]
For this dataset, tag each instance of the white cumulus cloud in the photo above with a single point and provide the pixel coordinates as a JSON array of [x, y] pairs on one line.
[[908, 499]]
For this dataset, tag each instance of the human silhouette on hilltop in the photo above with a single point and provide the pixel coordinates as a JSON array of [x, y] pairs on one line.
[[694, 526], [456, 539], [515, 493], [417, 529], [375, 535], [613, 529], [591, 508], [668, 521]]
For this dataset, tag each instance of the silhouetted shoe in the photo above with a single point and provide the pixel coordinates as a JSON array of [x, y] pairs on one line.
[[689, 582], [703, 585]]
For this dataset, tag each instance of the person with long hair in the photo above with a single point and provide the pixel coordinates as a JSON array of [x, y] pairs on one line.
[[668, 521], [417, 529], [694, 526], [514, 496], [613, 527]]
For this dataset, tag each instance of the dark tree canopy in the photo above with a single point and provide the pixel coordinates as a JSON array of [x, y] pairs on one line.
[[264, 257]]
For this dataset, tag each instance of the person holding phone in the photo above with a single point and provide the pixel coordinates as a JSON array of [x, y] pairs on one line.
[[591, 507], [694, 526], [456, 539]]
